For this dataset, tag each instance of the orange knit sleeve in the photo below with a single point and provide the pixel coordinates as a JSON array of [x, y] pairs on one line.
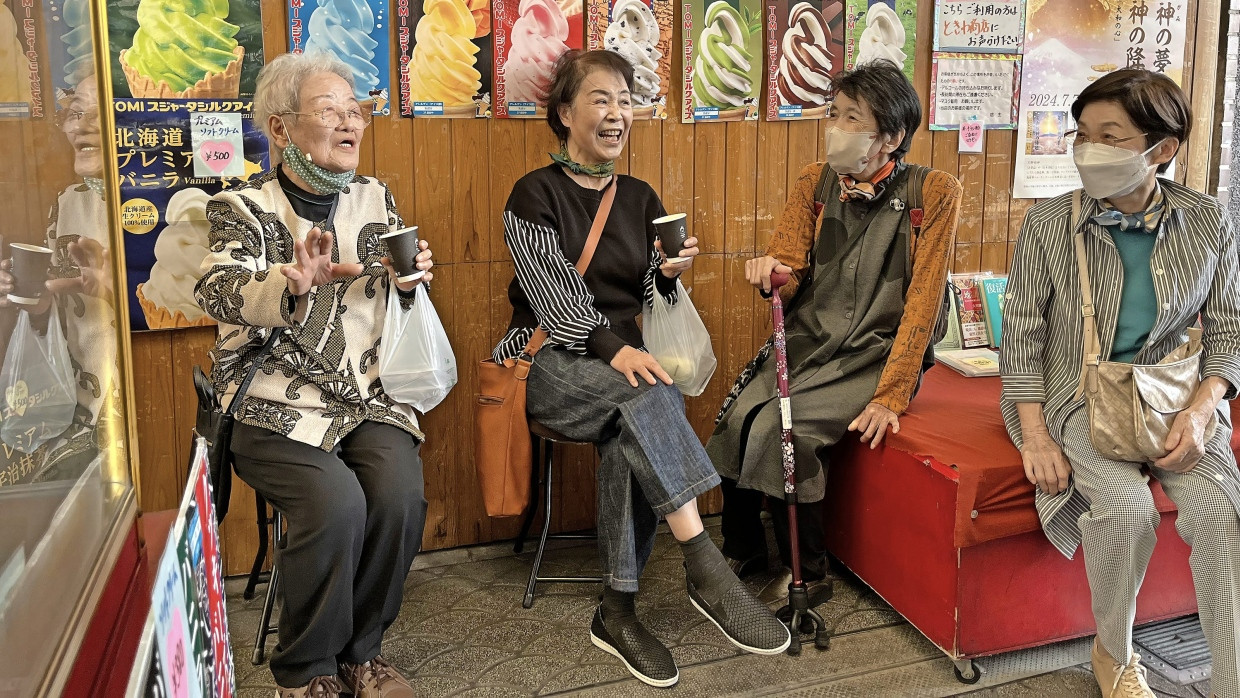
[[794, 234], [941, 193]]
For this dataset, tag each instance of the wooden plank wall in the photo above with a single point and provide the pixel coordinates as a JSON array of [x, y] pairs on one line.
[[453, 177]]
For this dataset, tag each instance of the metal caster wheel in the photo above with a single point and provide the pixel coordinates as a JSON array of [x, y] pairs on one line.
[[966, 671]]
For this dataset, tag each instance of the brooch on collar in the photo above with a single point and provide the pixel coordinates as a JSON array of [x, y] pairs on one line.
[[897, 204]]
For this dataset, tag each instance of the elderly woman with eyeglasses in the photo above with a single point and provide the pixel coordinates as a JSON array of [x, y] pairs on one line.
[[298, 280]]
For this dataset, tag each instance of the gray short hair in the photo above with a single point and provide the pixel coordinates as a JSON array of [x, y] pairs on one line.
[[278, 90]]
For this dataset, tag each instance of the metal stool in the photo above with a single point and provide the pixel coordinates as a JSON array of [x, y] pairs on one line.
[[543, 440], [276, 521]]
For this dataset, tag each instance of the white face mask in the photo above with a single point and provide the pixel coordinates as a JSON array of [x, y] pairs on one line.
[[848, 152], [1108, 170]]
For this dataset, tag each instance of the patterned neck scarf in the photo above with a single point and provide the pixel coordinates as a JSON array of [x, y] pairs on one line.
[[852, 190], [320, 179], [601, 170], [95, 184], [1146, 221]]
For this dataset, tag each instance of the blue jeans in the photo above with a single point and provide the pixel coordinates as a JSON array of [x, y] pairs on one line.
[[651, 461]]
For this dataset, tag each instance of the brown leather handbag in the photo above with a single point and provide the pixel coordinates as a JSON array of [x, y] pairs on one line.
[[1132, 407], [502, 447]]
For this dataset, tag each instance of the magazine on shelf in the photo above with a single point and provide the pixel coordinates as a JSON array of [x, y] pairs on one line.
[[993, 290], [973, 363], [972, 315]]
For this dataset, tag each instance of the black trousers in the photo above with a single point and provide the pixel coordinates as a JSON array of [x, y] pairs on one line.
[[355, 517], [744, 536]]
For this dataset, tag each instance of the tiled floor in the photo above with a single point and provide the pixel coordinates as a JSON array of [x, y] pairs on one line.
[[463, 632]]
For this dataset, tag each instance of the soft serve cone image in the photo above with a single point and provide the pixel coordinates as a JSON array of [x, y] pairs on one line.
[[883, 38], [806, 60], [184, 49], [723, 71], [442, 69], [634, 34], [79, 45], [14, 67], [343, 28], [537, 41], [167, 299]]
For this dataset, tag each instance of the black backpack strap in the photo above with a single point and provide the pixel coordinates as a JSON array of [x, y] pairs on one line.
[[824, 183]]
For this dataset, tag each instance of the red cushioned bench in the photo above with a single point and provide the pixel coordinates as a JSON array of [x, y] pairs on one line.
[[940, 522]]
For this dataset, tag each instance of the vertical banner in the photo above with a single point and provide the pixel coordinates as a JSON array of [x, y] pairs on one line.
[[981, 86], [641, 31], [70, 45], [448, 72], [356, 32], [22, 32], [172, 156], [1067, 47], [882, 29], [979, 26], [805, 50], [178, 49], [723, 59], [530, 36]]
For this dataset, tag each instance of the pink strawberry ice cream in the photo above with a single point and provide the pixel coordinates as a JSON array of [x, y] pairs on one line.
[[538, 38]]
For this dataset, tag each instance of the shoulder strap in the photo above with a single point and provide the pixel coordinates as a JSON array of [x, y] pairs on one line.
[[1092, 345], [587, 254], [824, 183]]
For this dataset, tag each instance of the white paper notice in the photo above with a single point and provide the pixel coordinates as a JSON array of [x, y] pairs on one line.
[[217, 142], [963, 85]]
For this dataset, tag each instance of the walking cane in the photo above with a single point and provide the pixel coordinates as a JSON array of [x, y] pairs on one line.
[[797, 608]]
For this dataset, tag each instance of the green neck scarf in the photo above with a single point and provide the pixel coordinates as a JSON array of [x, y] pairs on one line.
[[95, 184], [601, 170], [323, 181]]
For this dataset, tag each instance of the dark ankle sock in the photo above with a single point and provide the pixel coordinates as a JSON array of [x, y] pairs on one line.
[[618, 606], [706, 567]]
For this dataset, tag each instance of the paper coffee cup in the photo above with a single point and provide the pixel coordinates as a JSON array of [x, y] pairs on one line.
[[30, 265], [673, 233], [403, 250]]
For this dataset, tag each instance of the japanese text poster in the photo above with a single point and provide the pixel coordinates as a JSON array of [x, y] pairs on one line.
[[174, 49], [446, 66], [22, 93], [1068, 45], [163, 146], [530, 36], [356, 32], [979, 26], [974, 85], [881, 29], [805, 50], [723, 59], [641, 31]]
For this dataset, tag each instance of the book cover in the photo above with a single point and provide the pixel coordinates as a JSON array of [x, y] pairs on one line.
[[951, 340], [993, 291], [972, 315], [973, 363]]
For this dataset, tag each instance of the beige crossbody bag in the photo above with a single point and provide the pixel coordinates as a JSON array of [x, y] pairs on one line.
[[1131, 407]]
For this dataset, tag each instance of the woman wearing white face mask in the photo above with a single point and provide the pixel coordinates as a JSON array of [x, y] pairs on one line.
[[867, 239], [1159, 256]]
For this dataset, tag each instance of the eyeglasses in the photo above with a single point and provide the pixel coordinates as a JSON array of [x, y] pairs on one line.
[[1075, 137], [332, 117], [65, 117]]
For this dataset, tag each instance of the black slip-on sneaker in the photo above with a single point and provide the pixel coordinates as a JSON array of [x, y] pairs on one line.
[[745, 620], [642, 653]]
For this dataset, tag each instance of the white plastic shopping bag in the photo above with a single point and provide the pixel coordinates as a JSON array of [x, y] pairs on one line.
[[675, 336], [416, 364], [40, 394]]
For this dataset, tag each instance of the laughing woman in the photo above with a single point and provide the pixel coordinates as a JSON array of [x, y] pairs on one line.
[[592, 382]]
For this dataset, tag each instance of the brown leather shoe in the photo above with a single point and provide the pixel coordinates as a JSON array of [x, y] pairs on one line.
[[374, 679], [1119, 680], [319, 687]]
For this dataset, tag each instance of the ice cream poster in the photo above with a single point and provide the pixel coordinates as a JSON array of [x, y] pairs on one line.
[[163, 203], [979, 26], [530, 35], [723, 60], [1069, 44], [356, 32], [70, 44], [882, 29], [184, 49], [965, 86], [446, 66], [641, 31], [21, 39], [805, 50]]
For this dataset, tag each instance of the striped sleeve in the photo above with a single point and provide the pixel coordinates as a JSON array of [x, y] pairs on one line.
[[1024, 320], [656, 281], [1220, 317], [557, 293]]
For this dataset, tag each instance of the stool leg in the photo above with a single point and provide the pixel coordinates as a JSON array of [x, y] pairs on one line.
[[261, 556], [542, 543], [532, 509], [273, 583]]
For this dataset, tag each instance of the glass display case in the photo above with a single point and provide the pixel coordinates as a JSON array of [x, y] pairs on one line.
[[67, 504]]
